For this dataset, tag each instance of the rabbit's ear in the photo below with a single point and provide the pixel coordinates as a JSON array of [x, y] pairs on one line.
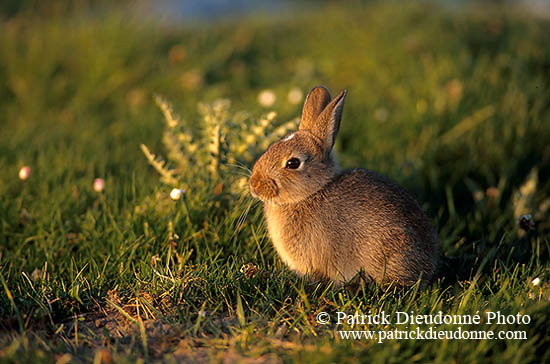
[[317, 99], [328, 123]]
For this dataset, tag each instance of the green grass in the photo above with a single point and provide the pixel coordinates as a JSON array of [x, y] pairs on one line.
[[454, 105]]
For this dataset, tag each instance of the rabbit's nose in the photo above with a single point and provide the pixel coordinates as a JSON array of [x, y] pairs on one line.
[[254, 180], [262, 187], [254, 184]]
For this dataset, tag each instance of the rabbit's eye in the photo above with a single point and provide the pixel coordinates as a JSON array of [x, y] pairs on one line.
[[293, 163]]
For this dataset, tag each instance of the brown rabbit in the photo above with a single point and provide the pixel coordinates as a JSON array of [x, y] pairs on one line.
[[334, 224]]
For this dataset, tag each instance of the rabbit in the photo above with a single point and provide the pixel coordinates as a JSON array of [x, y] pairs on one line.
[[339, 225]]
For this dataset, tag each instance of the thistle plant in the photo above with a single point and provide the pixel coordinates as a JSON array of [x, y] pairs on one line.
[[223, 143]]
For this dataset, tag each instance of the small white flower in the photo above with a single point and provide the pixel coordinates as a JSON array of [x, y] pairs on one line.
[[176, 194], [536, 281], [24, 173], [295, 95], [267, 98], [99, 184]]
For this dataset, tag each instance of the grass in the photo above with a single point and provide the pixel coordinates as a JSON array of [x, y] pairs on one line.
[[452, 104]]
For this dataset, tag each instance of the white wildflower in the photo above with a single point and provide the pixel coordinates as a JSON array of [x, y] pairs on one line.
[[295, 95], [99, 184], [176, 194], [267, 98], [24, 173]]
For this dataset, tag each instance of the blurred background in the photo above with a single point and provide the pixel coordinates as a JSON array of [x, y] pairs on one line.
[[449, 98]]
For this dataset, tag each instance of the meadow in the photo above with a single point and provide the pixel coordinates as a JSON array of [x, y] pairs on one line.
[[452, 103]]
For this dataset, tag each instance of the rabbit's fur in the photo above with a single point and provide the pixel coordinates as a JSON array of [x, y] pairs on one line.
[[335, 224]]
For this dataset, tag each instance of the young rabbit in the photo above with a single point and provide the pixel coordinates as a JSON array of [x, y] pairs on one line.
[[334, 224]]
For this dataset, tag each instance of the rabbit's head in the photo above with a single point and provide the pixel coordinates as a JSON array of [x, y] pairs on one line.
[[301, 163]]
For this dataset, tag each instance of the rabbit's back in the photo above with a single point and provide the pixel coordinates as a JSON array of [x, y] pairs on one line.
[[359, 221]]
